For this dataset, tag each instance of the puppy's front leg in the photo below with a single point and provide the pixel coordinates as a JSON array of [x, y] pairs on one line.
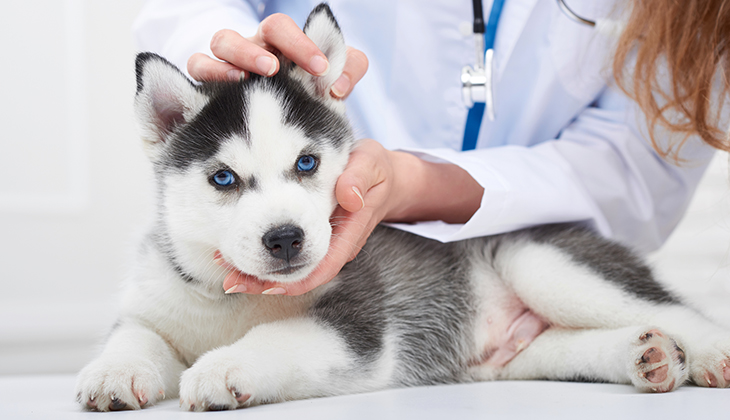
[[284, 360], [136, 368]]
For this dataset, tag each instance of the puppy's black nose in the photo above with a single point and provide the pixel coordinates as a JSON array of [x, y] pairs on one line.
[[284, 242]]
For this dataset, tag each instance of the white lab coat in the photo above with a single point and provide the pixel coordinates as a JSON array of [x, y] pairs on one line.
[[566, 144]]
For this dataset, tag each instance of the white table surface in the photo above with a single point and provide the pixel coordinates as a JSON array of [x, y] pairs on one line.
[[51, 397]]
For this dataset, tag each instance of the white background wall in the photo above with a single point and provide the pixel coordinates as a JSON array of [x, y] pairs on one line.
[[72, 177], [74, 187]]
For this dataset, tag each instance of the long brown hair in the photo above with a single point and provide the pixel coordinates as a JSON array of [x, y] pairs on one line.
[[693, 38]]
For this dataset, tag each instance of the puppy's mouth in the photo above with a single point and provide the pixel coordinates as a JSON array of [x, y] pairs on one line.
[[283, 271], [286, 270]]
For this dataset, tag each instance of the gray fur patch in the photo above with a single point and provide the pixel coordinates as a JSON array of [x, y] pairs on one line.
[[614, 262], [422, 297]]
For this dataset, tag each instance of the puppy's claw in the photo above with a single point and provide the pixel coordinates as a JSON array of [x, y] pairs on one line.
[[117, 404], [217, 407]]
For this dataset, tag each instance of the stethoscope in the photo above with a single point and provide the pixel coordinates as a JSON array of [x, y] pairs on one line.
[[477, 87]]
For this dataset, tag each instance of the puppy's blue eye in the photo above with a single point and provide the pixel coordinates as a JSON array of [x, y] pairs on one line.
[[306, 163], [224, 178]]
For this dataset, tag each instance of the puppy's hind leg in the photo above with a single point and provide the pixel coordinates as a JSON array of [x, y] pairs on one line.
[[707, 344], [645, 357], [569, 292]]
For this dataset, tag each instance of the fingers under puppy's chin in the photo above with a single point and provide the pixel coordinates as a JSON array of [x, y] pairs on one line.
[[237, 288]]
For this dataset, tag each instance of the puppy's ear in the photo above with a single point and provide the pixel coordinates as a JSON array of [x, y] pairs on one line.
[[322, 28], [166, 99]]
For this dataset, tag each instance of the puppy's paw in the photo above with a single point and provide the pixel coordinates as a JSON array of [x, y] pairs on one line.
[[117, 384], [222, 379], [710, 365], [658, 363]]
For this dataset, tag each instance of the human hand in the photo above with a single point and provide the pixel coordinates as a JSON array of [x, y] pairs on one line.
[[255, 54], [371, 169]]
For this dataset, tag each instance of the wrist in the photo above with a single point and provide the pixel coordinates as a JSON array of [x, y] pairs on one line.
[[408, 171], [424, 190]]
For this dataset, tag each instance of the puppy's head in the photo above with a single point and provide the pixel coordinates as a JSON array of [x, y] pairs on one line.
[[247, 168]]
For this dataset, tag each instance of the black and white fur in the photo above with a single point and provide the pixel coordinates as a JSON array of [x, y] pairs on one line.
[[407, 311]]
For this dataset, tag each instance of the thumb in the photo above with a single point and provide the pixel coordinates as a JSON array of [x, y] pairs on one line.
[[349, 196], [362, 173]]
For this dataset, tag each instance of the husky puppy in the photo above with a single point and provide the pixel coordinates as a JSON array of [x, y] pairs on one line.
[[246, 171]]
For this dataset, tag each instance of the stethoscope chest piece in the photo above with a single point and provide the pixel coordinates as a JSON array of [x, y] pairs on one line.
[[476, 83]]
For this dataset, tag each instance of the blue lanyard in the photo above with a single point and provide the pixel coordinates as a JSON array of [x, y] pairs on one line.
[[476, 112]]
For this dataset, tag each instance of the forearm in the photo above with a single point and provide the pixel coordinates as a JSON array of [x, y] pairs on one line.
[[426, 190]]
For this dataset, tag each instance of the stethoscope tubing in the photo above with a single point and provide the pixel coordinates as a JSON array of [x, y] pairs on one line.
[[477, 82], [573, 16]]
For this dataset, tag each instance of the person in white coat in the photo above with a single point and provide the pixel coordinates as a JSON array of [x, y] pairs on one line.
[[566, 143]]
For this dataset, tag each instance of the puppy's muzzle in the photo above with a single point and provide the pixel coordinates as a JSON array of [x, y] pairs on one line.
[[284, 242]]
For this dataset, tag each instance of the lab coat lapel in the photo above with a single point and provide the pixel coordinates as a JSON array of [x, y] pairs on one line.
[[515, 15]]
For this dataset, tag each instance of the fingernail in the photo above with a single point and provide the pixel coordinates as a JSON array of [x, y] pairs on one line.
[[239, 288], [235, 75], [266, 65], [341, 86], [359, 195], [319, 65], [218, 258], [274, 291]]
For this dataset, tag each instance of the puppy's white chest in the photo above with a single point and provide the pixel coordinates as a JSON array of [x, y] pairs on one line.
[[193, 324]]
